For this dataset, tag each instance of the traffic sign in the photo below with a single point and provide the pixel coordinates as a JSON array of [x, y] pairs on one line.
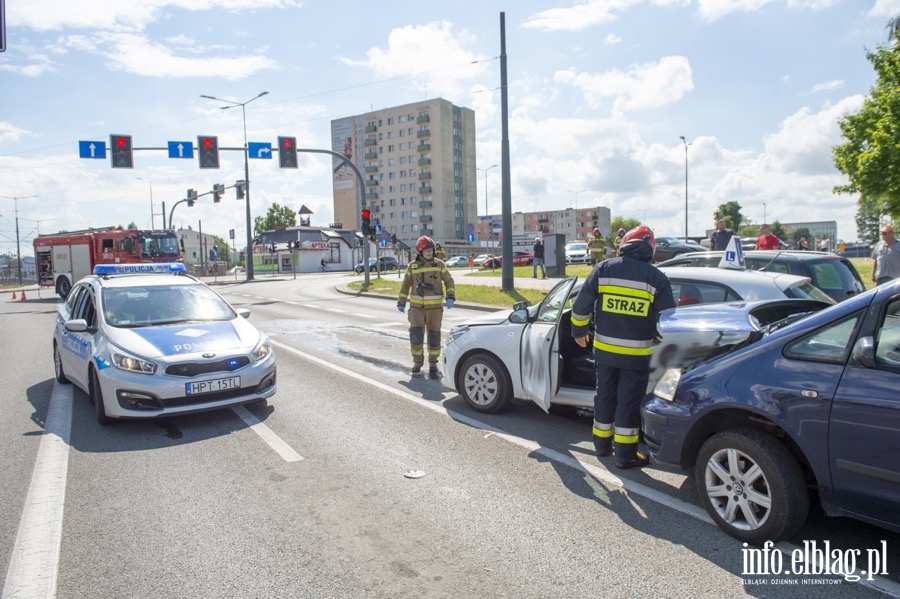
[[470, 237], [260, 150], [470, 228], [181, 149], [92, 149]]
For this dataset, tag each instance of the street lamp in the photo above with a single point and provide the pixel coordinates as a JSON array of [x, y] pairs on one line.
[[18, 249], [576, 208], [490, 224], [764, 213], [152, 220], [686, 144], [248, 266]]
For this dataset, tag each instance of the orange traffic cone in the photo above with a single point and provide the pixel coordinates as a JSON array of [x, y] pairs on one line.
[[14, 294], [23, 298]]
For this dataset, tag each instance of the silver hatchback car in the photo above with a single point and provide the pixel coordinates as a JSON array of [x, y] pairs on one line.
[[148, 340]]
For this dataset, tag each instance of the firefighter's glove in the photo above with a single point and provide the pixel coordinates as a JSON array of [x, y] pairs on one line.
[[401, 308], [450, 302]]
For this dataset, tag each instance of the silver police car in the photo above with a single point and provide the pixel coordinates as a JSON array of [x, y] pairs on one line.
[[148, 340]]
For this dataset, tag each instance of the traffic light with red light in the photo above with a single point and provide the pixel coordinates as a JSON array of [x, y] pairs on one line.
[[287, 152], [366, 215], [121, 152], [208, 151]]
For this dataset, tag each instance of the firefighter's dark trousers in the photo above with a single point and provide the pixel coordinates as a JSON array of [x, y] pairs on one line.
[[617, 407], [425, 324]]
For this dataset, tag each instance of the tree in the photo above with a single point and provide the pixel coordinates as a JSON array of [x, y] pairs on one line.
[[620, 222], [131, 226], [801, 232], [868, 221], [276, 215], [871, 155], [778, 230], [730, 212]]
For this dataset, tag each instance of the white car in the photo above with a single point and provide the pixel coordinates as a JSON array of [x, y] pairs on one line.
[[158, 344], [456, 261], [481, 258], [529, 353], [577, 253]]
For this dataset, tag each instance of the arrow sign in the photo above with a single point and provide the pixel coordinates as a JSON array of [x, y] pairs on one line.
[[260, 150], [92, 149], [181, 149]]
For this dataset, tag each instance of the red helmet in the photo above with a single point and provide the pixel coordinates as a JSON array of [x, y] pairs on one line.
[[424, 243], [642, 232], [596, 231]]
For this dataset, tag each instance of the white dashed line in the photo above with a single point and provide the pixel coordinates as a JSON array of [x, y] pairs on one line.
[[265, 433]]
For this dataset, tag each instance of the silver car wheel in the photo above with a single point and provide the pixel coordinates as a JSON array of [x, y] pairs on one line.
[[738, 489], [481, 384], [484, 383]]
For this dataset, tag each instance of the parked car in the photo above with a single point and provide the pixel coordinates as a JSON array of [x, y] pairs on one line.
[[833, 274], [520, 258], [812, 405], [158, 343], [456, 261], [669, 247], [577, 253], [382, 263], [529, 353], [480, 258]]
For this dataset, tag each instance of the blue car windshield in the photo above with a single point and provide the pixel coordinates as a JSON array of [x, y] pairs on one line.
[[164, 304]]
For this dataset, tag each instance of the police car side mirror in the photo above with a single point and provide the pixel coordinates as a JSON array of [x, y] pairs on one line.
[[864, 352], [76, 325], [243, 312], [519, 316]]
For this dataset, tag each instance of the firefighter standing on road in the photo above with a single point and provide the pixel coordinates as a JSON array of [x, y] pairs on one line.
[[439, 252], [426, 284], [597, 245], [625, 295]]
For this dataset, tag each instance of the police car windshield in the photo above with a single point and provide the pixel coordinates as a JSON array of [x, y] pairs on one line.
[[131, 307]]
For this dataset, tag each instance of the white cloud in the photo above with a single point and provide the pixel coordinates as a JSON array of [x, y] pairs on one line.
[[711, 10], [9, 132], [434, 44], [827, 86], [588, 13], [643, 86], [885, 9], [612, 39]]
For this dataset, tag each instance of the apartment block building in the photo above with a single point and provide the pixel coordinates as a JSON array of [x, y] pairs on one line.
[[574, 223], [418, 166]]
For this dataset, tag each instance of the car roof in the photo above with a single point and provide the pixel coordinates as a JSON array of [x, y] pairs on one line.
[[745, 282], [142, 280], [799, 255]]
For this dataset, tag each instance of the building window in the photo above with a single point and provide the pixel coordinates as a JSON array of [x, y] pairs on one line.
[[390, 148], [390, 120]]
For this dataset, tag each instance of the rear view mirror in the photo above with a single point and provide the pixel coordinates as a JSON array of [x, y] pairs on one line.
[[519, 316], [864, 352]]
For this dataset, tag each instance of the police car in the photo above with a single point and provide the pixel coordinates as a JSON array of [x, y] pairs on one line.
[[148, 340]]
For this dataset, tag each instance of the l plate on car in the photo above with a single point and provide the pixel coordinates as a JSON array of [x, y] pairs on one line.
[[232, 382]]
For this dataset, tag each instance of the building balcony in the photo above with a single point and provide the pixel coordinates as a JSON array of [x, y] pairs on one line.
[[424, 218], [423, 148], [371, 155], [374, 208], [372, 195], [544, 219], [371, 169], [424, 161], [423, 132], [425, 176], [425, 231], [423, 118], [425, 190], [371, 183], [425, 204], [371, 128], [370, 141]]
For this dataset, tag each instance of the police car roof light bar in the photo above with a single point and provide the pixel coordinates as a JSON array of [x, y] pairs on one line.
[[134, 269]]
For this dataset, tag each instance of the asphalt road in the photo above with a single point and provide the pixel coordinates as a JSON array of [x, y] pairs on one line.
[[313, 494]]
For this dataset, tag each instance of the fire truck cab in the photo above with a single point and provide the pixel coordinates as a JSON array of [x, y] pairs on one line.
[[62, 259]]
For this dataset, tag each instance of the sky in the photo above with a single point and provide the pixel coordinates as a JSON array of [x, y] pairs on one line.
[[600, 93]]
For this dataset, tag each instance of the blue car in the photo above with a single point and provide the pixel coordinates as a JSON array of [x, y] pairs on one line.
[[813, 403]]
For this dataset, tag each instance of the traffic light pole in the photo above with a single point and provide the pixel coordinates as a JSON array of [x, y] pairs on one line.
[[362, 202]]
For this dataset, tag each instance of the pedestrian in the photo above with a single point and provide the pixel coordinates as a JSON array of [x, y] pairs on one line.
[[597, 246], [538, 259], [625, 296], [803, 244], [426, 285], [887, 257], [721, 236], [767, 241], [618, 241], [439, 252]]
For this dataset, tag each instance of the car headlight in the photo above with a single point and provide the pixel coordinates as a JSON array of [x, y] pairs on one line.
[[668, 384], [457, 332], [125, 361], [261, 351]]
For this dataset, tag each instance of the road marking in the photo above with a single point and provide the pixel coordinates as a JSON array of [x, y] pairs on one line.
[[265, 433], [336, 310], [885, 586], [34, 561]]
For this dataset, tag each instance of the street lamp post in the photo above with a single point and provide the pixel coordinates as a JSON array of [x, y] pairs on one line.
[[18, 249], [249, 256], [490, 224], [764, 214], [152, 219], [686, 144], [576, 208]]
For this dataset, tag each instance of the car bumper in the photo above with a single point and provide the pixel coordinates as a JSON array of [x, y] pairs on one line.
[[665, 426], [450, 356], [134, 395]]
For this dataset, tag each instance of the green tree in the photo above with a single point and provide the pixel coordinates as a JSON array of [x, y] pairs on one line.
[[871, 155], [778, 230], [868, 221], [730, 212], [798, 233], [131, 226], [620, 222], [276, 215]]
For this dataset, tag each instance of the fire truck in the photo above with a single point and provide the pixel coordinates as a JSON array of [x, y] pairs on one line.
[[63, 258]]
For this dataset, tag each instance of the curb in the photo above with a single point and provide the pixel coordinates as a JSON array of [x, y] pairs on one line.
[[347, 291]]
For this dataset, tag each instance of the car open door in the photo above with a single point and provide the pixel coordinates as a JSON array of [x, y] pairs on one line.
[[539, 354]]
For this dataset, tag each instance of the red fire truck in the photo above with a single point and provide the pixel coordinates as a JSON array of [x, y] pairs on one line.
[[63, 258]]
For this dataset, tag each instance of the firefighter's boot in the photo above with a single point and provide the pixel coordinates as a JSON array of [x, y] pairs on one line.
[[433, 372], [603, 447], [416, 371], [628, 456]]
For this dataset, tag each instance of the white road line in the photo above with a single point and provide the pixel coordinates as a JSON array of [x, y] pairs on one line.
[[265, 433], [885, 586], [35, 555], [336, 310]]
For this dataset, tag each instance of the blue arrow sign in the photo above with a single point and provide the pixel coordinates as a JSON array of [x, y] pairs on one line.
[[258, 149], [470, 237], [91, 149], [181, 149]]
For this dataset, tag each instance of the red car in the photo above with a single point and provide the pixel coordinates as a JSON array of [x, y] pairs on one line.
[[519, 259]]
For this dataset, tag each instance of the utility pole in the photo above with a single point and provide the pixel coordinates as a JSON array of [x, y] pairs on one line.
[[18, 248]]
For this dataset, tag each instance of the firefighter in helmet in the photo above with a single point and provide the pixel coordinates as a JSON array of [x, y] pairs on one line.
[[439, 252], [625, 296], [426, 286], [597, 245]]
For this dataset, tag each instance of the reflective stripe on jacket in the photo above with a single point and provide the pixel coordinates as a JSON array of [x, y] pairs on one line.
[[426, 284]]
